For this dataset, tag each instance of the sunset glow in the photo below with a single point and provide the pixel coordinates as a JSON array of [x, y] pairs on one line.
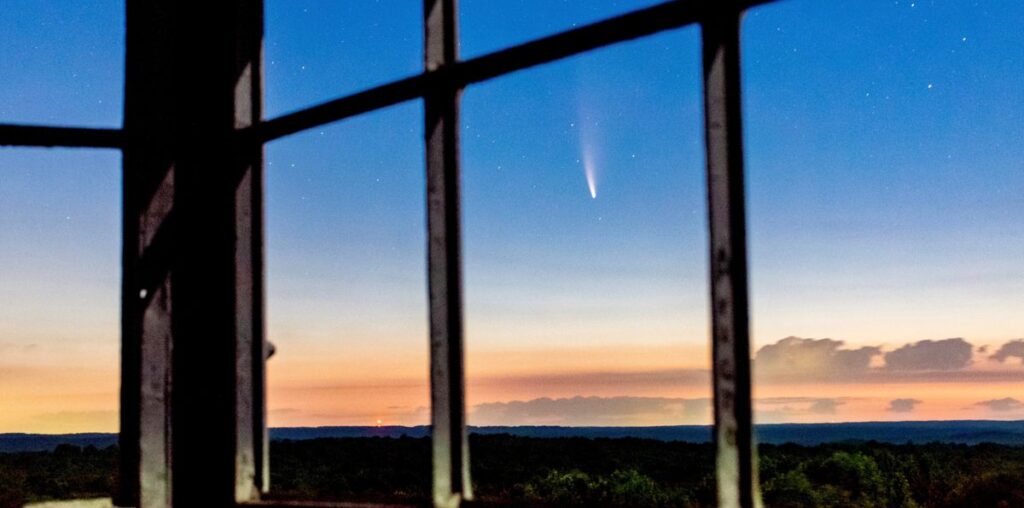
[[884, 205]]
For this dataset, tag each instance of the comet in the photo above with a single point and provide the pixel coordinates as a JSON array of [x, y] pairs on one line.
[[589, 148], [590, 171]]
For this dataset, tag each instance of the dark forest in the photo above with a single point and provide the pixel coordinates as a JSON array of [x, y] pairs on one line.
[[523, 471]]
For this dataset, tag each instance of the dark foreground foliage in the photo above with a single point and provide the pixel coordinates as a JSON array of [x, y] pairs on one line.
[[583, 472], [68, 472]]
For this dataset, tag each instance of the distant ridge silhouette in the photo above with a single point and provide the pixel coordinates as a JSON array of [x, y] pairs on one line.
[[953, 431]]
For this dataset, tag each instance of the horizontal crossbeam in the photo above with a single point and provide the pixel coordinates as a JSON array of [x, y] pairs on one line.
[[633, 25], [457, 75], [71, 137]]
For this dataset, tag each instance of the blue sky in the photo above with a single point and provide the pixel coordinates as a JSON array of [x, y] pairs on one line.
[[885, 192]]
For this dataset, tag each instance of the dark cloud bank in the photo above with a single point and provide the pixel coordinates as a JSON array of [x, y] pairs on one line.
[[626, 411], [793, 359], [796, 359], [948, 354], [600, 411], [1002, 405], [1012, 349], [903, 405], [811, 359]]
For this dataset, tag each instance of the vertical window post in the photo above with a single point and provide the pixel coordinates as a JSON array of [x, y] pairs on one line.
[[148, 198], [451, 482], [192, 295], [736, 459]]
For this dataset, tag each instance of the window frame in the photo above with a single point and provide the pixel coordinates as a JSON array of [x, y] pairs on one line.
[[193, 340]]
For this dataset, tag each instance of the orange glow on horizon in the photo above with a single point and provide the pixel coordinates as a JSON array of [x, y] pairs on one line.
[[314, 389]]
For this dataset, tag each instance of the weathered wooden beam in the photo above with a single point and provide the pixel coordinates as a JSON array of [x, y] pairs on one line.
[[148, 198], [451, 483], [736, 460], [192, 398]]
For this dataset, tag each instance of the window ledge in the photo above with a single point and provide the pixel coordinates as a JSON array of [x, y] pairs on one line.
[[102, 502]]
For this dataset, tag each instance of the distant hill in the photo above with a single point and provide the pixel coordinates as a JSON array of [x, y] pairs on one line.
[[47, 442], [963, 432]]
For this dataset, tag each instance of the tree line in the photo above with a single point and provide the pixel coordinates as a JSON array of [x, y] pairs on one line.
[[523, 471]]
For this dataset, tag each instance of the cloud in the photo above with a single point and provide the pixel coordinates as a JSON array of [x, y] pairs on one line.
[[947, 354], [1012, 349], [825, 406], [15, 348], [968, 375], [625, 411], [808, 359], [1002, 405], [577, 411], [785, 409], [800, 360], [902, 405], [664, 379]]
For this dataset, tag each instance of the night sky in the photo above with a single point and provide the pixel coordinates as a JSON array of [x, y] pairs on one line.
[[885, 196]]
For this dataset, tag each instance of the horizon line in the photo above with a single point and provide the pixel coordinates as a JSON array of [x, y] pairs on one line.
[[688, 425]]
